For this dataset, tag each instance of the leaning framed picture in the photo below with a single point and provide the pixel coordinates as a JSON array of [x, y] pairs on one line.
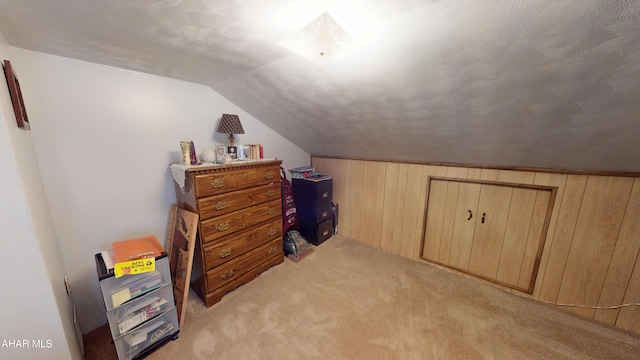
[[16, 96]]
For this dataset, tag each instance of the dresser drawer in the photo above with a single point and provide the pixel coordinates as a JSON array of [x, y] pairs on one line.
[[218, 183], [225, 203], [231, 270], [224, 225], [230, 247], [217, 294]]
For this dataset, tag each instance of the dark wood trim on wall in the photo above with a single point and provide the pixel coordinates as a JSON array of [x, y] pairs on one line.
[[514, 168]]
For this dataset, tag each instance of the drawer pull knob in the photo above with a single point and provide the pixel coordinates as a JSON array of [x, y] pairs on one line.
[[227, 274], [270, 193], [268, 176], [217, 183], [272, 232], [221, 205], [222, 226], [272, 250], [325, 195], [224, 253], [325, 233], [324, 214], [271, 211]]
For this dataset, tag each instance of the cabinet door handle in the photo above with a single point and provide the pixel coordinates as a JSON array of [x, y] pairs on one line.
[[271, 211], [224, 253], [483, 216], [270, 193], [324, 214], [470, 215], [325, 195], [227, 274], [220, 205], [272, 232], [222, 226], [217, 183], [325, 233], [268, 175], [272, 250]]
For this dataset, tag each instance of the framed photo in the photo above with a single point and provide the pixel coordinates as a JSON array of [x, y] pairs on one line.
[[16, 97], [221, 151], [233, 152], [244, 152]]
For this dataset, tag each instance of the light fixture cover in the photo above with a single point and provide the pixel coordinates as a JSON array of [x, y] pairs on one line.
[[230, 124], [321, 41]]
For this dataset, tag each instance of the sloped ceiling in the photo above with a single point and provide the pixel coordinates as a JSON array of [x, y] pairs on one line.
[[526, 83]]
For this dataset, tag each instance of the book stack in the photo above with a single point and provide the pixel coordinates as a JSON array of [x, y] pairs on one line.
[[256, 151]]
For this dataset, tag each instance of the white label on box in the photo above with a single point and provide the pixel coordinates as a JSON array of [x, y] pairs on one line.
[[132, 322]]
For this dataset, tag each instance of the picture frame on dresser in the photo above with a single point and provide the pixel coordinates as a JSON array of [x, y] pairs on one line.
[[232, 151], [221, 152], [244, 152]]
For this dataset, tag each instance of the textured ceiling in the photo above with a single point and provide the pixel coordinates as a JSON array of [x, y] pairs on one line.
[[531, 83]]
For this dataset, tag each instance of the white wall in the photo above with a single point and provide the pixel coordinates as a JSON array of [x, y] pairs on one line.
[[104, 139], [35, 311]]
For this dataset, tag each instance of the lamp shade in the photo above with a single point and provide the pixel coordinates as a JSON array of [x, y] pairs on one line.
[[230, 124]]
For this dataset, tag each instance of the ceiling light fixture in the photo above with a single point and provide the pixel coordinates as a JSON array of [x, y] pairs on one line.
[[321, 41]]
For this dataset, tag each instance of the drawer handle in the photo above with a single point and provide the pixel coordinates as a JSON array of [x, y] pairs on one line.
[[227, 274], [220, 205], [272, 232], [325, 195], [268, 176], [222, 227], [224, 253], [325, 233], [217, 183], [272, 250], [271, 211], [324, 214], [270, 193]]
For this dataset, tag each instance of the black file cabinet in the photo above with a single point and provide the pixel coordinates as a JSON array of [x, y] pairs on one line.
[[313, 197]]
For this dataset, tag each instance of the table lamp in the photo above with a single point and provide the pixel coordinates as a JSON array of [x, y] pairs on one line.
[[230, 124]]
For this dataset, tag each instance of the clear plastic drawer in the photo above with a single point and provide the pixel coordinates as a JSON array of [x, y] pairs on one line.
[[126, 317], [146, 335], [128, 287]]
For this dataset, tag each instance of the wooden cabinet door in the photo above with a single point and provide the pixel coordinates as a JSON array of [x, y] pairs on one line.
[[491, 230], [435, 220], [491, 222], [464, 225]]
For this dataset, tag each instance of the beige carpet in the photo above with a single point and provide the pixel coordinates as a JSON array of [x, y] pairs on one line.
[[350, 301]]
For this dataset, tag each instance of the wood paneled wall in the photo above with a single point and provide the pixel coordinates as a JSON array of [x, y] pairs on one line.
[[591, 255]]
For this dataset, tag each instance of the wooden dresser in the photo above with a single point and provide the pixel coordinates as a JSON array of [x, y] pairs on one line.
[[240, 225]]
